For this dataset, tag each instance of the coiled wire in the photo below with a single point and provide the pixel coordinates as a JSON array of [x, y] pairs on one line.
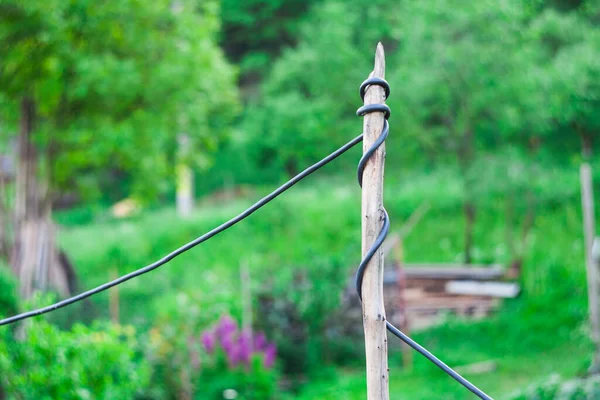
[[362, 267]]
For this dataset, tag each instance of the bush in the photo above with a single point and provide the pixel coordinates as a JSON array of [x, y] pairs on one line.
[[301, 309], [100, 362], [555, 388], [220, 362], [8, 292], [236, 363]]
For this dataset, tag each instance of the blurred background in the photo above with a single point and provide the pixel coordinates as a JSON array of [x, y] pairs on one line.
[[128, 128]]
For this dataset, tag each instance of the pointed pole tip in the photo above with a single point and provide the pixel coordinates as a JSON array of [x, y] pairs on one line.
[[379, 69]]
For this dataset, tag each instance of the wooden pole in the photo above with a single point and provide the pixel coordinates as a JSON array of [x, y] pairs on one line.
[[372, 223], [185, 178], [587, 203], [595, 367]]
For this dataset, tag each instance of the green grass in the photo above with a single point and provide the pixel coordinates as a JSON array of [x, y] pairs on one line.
[[538, 334], [513, 373]]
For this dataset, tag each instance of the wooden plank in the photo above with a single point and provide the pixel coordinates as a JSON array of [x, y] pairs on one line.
[[433, 304], [482, 367], [492, 289], [447, 271], [414, 294]]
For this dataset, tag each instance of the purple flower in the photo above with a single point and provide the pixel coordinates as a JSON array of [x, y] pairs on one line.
[[227, 343], [226, 327], [270, 353], [260, 342], [238, 346], [208, 340], [231, 348]]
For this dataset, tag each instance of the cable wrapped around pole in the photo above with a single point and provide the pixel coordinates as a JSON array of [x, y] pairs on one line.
[[362, 111]]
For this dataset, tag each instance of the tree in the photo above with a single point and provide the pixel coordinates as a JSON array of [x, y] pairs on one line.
[[576, 68], [310, 97], [577, 72], [256, 30], [460, 66], [104, 87]]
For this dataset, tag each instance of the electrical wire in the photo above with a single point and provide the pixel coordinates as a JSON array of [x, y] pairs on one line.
[[246, 213], [261, 203], [362, 267]]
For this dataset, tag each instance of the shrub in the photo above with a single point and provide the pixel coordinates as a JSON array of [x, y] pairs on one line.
[[236, 363], [301, 307], [100, 362], [555, 388], [216, 363], [8, 292]]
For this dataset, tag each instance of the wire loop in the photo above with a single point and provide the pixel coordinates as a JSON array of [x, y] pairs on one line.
[[366, 109], [374, 81]]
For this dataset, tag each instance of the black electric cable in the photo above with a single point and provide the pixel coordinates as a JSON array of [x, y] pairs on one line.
[[191, 244], [265, 200], [384, 231]]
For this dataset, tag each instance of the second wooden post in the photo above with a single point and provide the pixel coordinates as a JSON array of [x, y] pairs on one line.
[[589, 231], [372, 223]]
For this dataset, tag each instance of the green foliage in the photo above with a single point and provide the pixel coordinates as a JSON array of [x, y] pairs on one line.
[[469, 76], [490, 76], [100, 362], [237, 361], [491, 94], [174, 345], [182, 362], [8, 292], [310, 97], [299, 320], [577, 72], [255, 30], [555, 388], [304, 280], [249, 383], [118, 82]]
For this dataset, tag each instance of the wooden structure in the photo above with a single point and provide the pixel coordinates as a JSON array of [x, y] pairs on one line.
[[420, 296], [594, 316], [431, 291], [373, 311], [7, 168]]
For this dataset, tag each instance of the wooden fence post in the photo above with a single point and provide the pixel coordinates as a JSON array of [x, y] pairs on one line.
[[587, 205], [595, 368], [184, 196], [372, 223]]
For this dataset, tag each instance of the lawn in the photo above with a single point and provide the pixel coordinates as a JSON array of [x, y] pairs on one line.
[[531, 338]]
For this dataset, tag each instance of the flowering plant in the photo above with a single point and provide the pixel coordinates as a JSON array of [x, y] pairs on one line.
[[239, 346], [235, 363]]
